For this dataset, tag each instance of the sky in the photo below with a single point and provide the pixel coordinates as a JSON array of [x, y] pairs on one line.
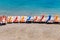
[[29, 7]]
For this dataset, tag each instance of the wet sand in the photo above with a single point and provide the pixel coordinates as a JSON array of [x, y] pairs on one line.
[[30, 32]]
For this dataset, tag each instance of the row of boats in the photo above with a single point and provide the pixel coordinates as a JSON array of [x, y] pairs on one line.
[[30, 19]]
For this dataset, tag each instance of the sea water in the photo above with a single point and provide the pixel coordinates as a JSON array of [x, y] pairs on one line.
[[29, 7]]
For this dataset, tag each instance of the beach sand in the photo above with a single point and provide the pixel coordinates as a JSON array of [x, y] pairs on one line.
[[30, 32]]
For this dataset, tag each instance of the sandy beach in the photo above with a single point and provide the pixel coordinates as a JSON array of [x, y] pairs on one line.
[[30, 32]]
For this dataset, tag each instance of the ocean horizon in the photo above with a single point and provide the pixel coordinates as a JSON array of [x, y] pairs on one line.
[[29, 7]]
